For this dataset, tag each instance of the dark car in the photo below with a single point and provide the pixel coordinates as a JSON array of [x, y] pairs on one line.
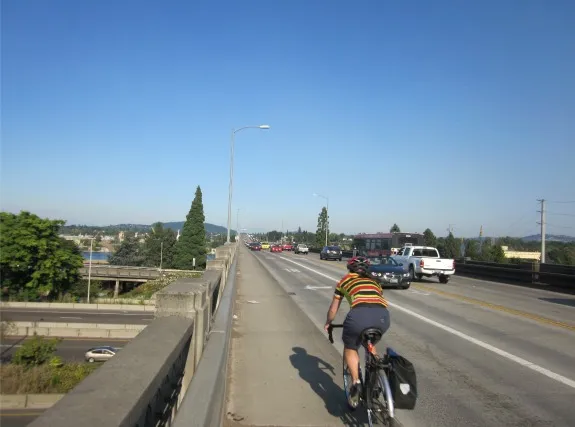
[[330, 252], [389, 273], [255, 246]]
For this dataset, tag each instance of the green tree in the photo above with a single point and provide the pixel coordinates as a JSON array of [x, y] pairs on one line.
[[451, 246], [429, 238], [485, 253], [322, 228], [472, 249], [34, 258], [159, 247], [35, 351], [395, 229], [192, 242], [130, 252], [497, 254]]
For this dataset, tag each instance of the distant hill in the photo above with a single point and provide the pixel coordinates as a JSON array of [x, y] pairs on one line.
[[142, 228], [549, 238], [210, 228]]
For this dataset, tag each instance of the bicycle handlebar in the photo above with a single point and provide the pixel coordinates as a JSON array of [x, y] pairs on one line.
[[330, 330]]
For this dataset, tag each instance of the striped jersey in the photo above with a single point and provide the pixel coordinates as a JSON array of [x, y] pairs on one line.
[[359, 290]]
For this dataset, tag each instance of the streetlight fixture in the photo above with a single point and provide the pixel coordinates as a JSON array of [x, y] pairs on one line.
[[327, 212], [232, 143]]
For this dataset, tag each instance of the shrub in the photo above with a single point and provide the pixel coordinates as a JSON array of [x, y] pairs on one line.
[[35, 351], [46, 378]]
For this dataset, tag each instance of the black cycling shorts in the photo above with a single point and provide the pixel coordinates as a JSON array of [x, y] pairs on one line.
[[363, 317]]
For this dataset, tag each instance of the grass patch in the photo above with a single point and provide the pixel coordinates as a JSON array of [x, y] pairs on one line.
[[18, 379], [146, 290]]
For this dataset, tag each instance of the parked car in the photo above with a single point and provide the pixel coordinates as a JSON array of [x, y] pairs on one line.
[[389, 273], [425, 261], [276, 248], [330, 252], [301, 249], [100, 354]]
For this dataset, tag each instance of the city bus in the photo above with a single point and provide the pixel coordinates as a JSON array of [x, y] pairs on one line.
[[382, 244]]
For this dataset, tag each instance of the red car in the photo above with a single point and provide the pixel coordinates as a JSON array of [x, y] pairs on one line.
[[287, 247], [276, 248], [255, 247]]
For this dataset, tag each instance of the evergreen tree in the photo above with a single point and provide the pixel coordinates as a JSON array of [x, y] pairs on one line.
[[322, 228], [130, 252], [192, 242], [159, 246], [429, 238], [395, 229]]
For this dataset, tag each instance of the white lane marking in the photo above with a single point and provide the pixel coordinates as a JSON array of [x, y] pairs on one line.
[[418, 292], [292, 270], [523, 362], [67, 317]]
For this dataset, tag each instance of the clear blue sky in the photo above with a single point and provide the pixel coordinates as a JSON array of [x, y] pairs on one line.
[[442, 112]]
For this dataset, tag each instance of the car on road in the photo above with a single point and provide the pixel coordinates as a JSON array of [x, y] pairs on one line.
[[330, 252], [287, 247], [425, 261], [301, 249], [100, 354], [265, 245], [254, 246], [276, 248], [389, 273]]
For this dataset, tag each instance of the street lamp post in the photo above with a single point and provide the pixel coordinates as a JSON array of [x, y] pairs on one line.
[[232, 143], [327, 214], [90, 267]]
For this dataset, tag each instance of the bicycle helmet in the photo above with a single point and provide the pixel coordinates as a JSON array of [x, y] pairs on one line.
[[358, 265]]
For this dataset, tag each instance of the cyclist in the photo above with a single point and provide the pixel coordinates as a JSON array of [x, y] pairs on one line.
[[368, 310]]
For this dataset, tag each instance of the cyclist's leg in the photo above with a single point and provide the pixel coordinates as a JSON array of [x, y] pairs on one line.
[[351, 342], [380, 319]]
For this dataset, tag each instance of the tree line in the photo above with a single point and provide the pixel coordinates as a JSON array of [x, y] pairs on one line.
[[37, 262]]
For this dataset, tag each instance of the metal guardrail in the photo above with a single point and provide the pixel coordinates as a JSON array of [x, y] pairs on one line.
[[560, 276]]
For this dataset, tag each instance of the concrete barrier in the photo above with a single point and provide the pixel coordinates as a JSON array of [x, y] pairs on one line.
[[69, 330], [204, 402], [29, 401], [146, 381], [79, 306]]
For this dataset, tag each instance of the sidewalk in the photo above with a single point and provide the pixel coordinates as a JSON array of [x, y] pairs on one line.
[[283, 370]]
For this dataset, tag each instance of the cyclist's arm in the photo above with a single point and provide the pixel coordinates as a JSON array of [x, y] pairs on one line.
[[333, 308]]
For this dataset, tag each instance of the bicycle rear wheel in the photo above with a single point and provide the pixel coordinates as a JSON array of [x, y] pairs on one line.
[[382, 412]]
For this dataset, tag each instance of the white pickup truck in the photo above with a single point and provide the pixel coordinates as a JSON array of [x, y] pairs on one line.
[[301, 249], [425, 261]]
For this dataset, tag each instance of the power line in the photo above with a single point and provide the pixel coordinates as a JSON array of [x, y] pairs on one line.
[[562, 214], [560, 201]]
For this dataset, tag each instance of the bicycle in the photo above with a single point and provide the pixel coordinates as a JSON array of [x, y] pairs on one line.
[[376, 381]]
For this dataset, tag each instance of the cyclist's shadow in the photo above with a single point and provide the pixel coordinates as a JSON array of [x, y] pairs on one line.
[[313, 370]]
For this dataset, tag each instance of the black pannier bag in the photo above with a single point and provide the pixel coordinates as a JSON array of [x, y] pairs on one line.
[[403, 381]]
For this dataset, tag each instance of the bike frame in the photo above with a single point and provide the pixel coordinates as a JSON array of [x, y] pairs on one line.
[[375, 368]]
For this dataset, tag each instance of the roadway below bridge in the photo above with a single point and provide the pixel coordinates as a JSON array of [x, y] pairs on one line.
[[69, 349], [15, 314], [485, 353]]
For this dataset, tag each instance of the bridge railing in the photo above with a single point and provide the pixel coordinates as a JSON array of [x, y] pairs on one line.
[[128, 272], [144, 383], [560, 276]]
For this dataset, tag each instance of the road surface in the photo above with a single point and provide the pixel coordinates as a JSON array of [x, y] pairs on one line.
[[485, 353], [70, 349], [18, 417], [76, 316]]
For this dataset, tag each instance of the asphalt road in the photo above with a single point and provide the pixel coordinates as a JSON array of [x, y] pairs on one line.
[[485, 353], [76, 316], [18, 417], [70, 349]]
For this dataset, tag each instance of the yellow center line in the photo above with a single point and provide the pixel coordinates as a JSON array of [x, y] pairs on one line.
[[498, 307]]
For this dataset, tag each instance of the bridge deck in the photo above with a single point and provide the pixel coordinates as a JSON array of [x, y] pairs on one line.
[[469, 341]]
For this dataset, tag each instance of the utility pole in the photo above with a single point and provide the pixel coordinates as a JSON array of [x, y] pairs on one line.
[[450, 228], [542, 223]]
